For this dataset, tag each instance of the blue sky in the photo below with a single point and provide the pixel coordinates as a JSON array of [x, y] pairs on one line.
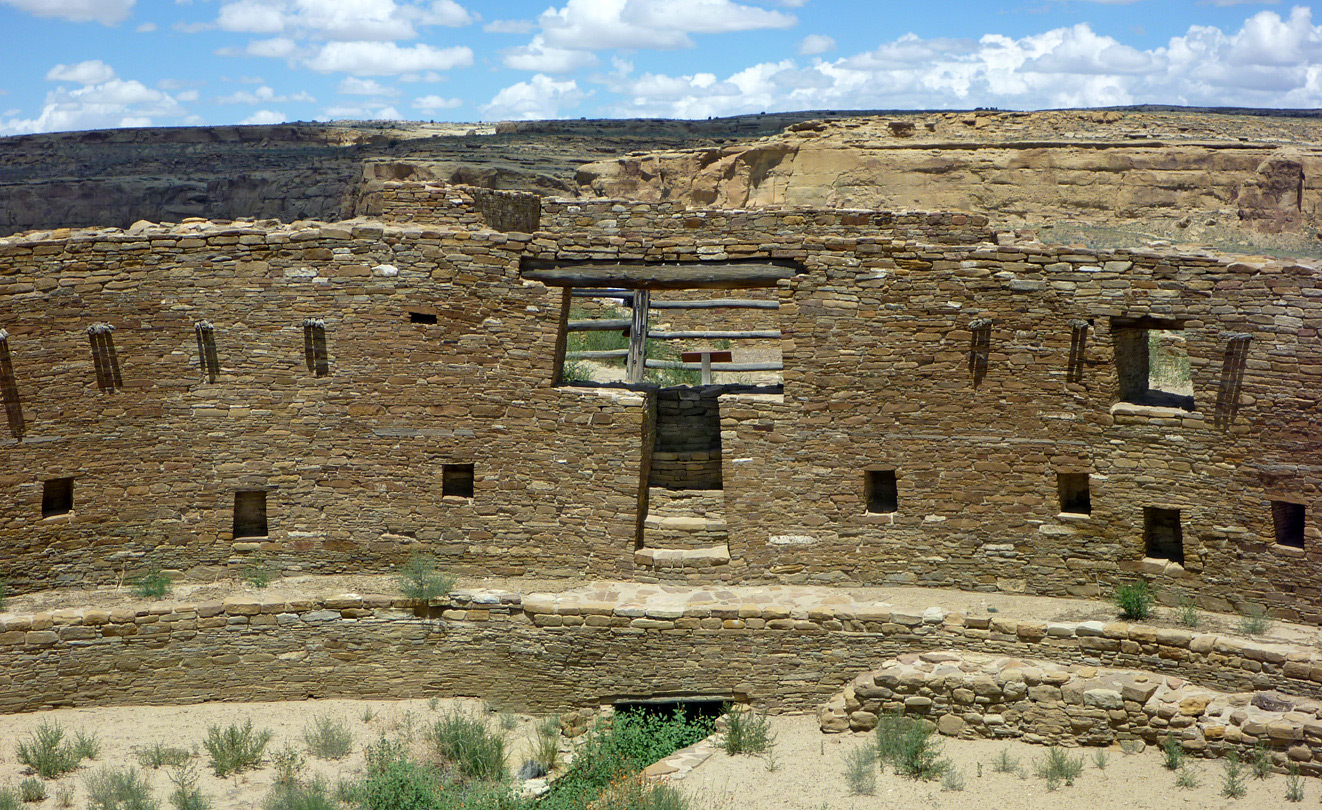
[[89, 64]]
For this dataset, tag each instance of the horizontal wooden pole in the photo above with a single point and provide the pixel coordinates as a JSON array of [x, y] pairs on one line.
[[675, 276], [716, 366], [590, 292], [612, 354], [768, 334], [718, 303], [599, 325]]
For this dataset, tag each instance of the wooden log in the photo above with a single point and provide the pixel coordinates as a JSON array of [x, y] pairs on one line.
[[766, 334], [609, 354], [675, 276], [592, 292], [599, 325], [636, 365], [717, 366], [716, 303]]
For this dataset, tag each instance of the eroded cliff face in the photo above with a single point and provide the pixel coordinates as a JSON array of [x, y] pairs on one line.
[[1018, 167]]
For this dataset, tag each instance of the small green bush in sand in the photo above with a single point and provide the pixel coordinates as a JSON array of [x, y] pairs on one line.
[[419, 580], [910, 746], [113, 789], [328, 738], [467, 744], [861, 770], [235, 748], [1134, 600], [746, 732], [49, 754]]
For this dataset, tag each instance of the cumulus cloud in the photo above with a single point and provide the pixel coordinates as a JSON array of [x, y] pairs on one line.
[[353, 86], [262, 95], [106, 12], [429, 105], [93, 71], [345, 20], [386, 58], [265, 117], [510, 27], [650, 24], [275, 47], [112, 103], [539, 97], [362, 113], [814, 44], [538, 57]]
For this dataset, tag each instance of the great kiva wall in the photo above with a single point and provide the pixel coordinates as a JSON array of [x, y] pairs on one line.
[[910, 399]]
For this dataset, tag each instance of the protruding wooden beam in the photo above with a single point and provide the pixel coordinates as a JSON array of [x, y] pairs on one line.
[[766, 334], [718, 303], [673, 276], [600, 325]]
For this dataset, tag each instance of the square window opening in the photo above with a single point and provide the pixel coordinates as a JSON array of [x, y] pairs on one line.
[[881, 491], [457, 480], [250, 514], [1162, 535], [57, 497], [1074, 495], [422, 317], [1152, 362], [1288, 521]]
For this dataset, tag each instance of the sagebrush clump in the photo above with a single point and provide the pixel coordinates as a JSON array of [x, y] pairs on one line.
[[113, 789], [328, 738], [910, 746], [235, 748], [419, 581], [746, 732], [1134, 600], [49, 754]]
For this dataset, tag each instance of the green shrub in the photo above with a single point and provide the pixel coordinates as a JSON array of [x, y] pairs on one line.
[[1172, 754], [637, 793], [1100, 759], [465, 743], [1294, 787], [1004, 763], [328, 738], [257, 573], [952, 780], [1186, 777], [1254, 621], [419, 580], [4, 593], [910, 746], [236, 748], [575, 371], [1189, 615], [311, 795], [86, 746], [1057, 767], [48, 754], [394, 781], [1134, 600], [154, 584], [746, 733], [32, 790], [1232, 781], [9, 799], [64, 795], [861, 770], [288, 763], [111, 789], [1260, 760], [159, 755], [186, 795], [546, 744]]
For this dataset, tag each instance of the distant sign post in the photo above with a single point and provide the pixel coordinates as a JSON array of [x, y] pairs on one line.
[[706, 358]]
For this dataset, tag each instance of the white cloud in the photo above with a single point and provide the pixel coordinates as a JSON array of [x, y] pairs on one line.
[[114, 103], [265, 117], [537, 57], [187, 96], [510, 27], [262, 95], [275, 47], [539, 97], [362, 113], [386, 58], [344, 20], [814, 44], [106, 12], [93, 71], [147, 28], [352, 86], [429, 105], [650, 24]]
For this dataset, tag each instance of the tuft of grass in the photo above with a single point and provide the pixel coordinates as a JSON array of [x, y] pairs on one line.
[[153, 584], [32, 790], [1134, 600], [1004, 763], [746, 732], [1186, 777], [289, 763], [910, 746], [64, 796], [1294, 787], [1232, 780], [9, 798], [310, 795], [1260, 760], [419, 581], [1254, 621], [546, 744], [4, 593], [112, 789], [367, 714], [952, 780], [235, 748], [575, 371], [1058, 766], [159, 755], [636, 792], [861, 770], [465, 743], [1100, 759], [186, 795], [1172, 754], [508, 721], [257, 573], [49, 755], [328, 738], [1188, 614]]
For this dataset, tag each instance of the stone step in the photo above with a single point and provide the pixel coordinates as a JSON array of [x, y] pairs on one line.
[[706, 557]]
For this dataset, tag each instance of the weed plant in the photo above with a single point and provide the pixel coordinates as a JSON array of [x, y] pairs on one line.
[[393, 781], [50, 755], [257, 574], [328, 738], [186, 795], [1172, 754], [1260, 761], [1134, 600], [64, 796], [1188, 614], [420, 582], [160, 755], [112, 789], [861, 770], [235, 748], [4, 592], [1057, 767], [1254, 621], [746, 733], [508, 721], [1186, 777], [1100, 759], [154, 584], [634, 792], [1294, 786], [314, 794], [1232, 781], [289, 763], [910, 746], [32, 790], [86, 746], [466, 744], [952, 780], [367, 714], [9, 799], [1004, 763], [546, 744]]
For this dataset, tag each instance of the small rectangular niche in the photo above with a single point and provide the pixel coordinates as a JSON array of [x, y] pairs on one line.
[[314, 346], [206, 350], [422, 317], [1152, 362], [104, 357], [881, 492], [9, 389], [56, 497], [456, 480], [1075, 498], [1288, 521], [250, 513], [1162, 536]]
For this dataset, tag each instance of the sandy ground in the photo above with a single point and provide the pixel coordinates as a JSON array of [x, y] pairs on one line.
[[805, 769]]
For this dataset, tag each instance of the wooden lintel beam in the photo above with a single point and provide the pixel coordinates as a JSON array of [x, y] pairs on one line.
[[691, 275], [599, 325], [768, 334], [717, 303]]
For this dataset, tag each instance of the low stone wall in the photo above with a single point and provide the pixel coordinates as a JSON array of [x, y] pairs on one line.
[[779, 648], [970, 695]]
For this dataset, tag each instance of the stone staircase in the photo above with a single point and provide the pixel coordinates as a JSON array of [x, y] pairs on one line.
[[684, 534]]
